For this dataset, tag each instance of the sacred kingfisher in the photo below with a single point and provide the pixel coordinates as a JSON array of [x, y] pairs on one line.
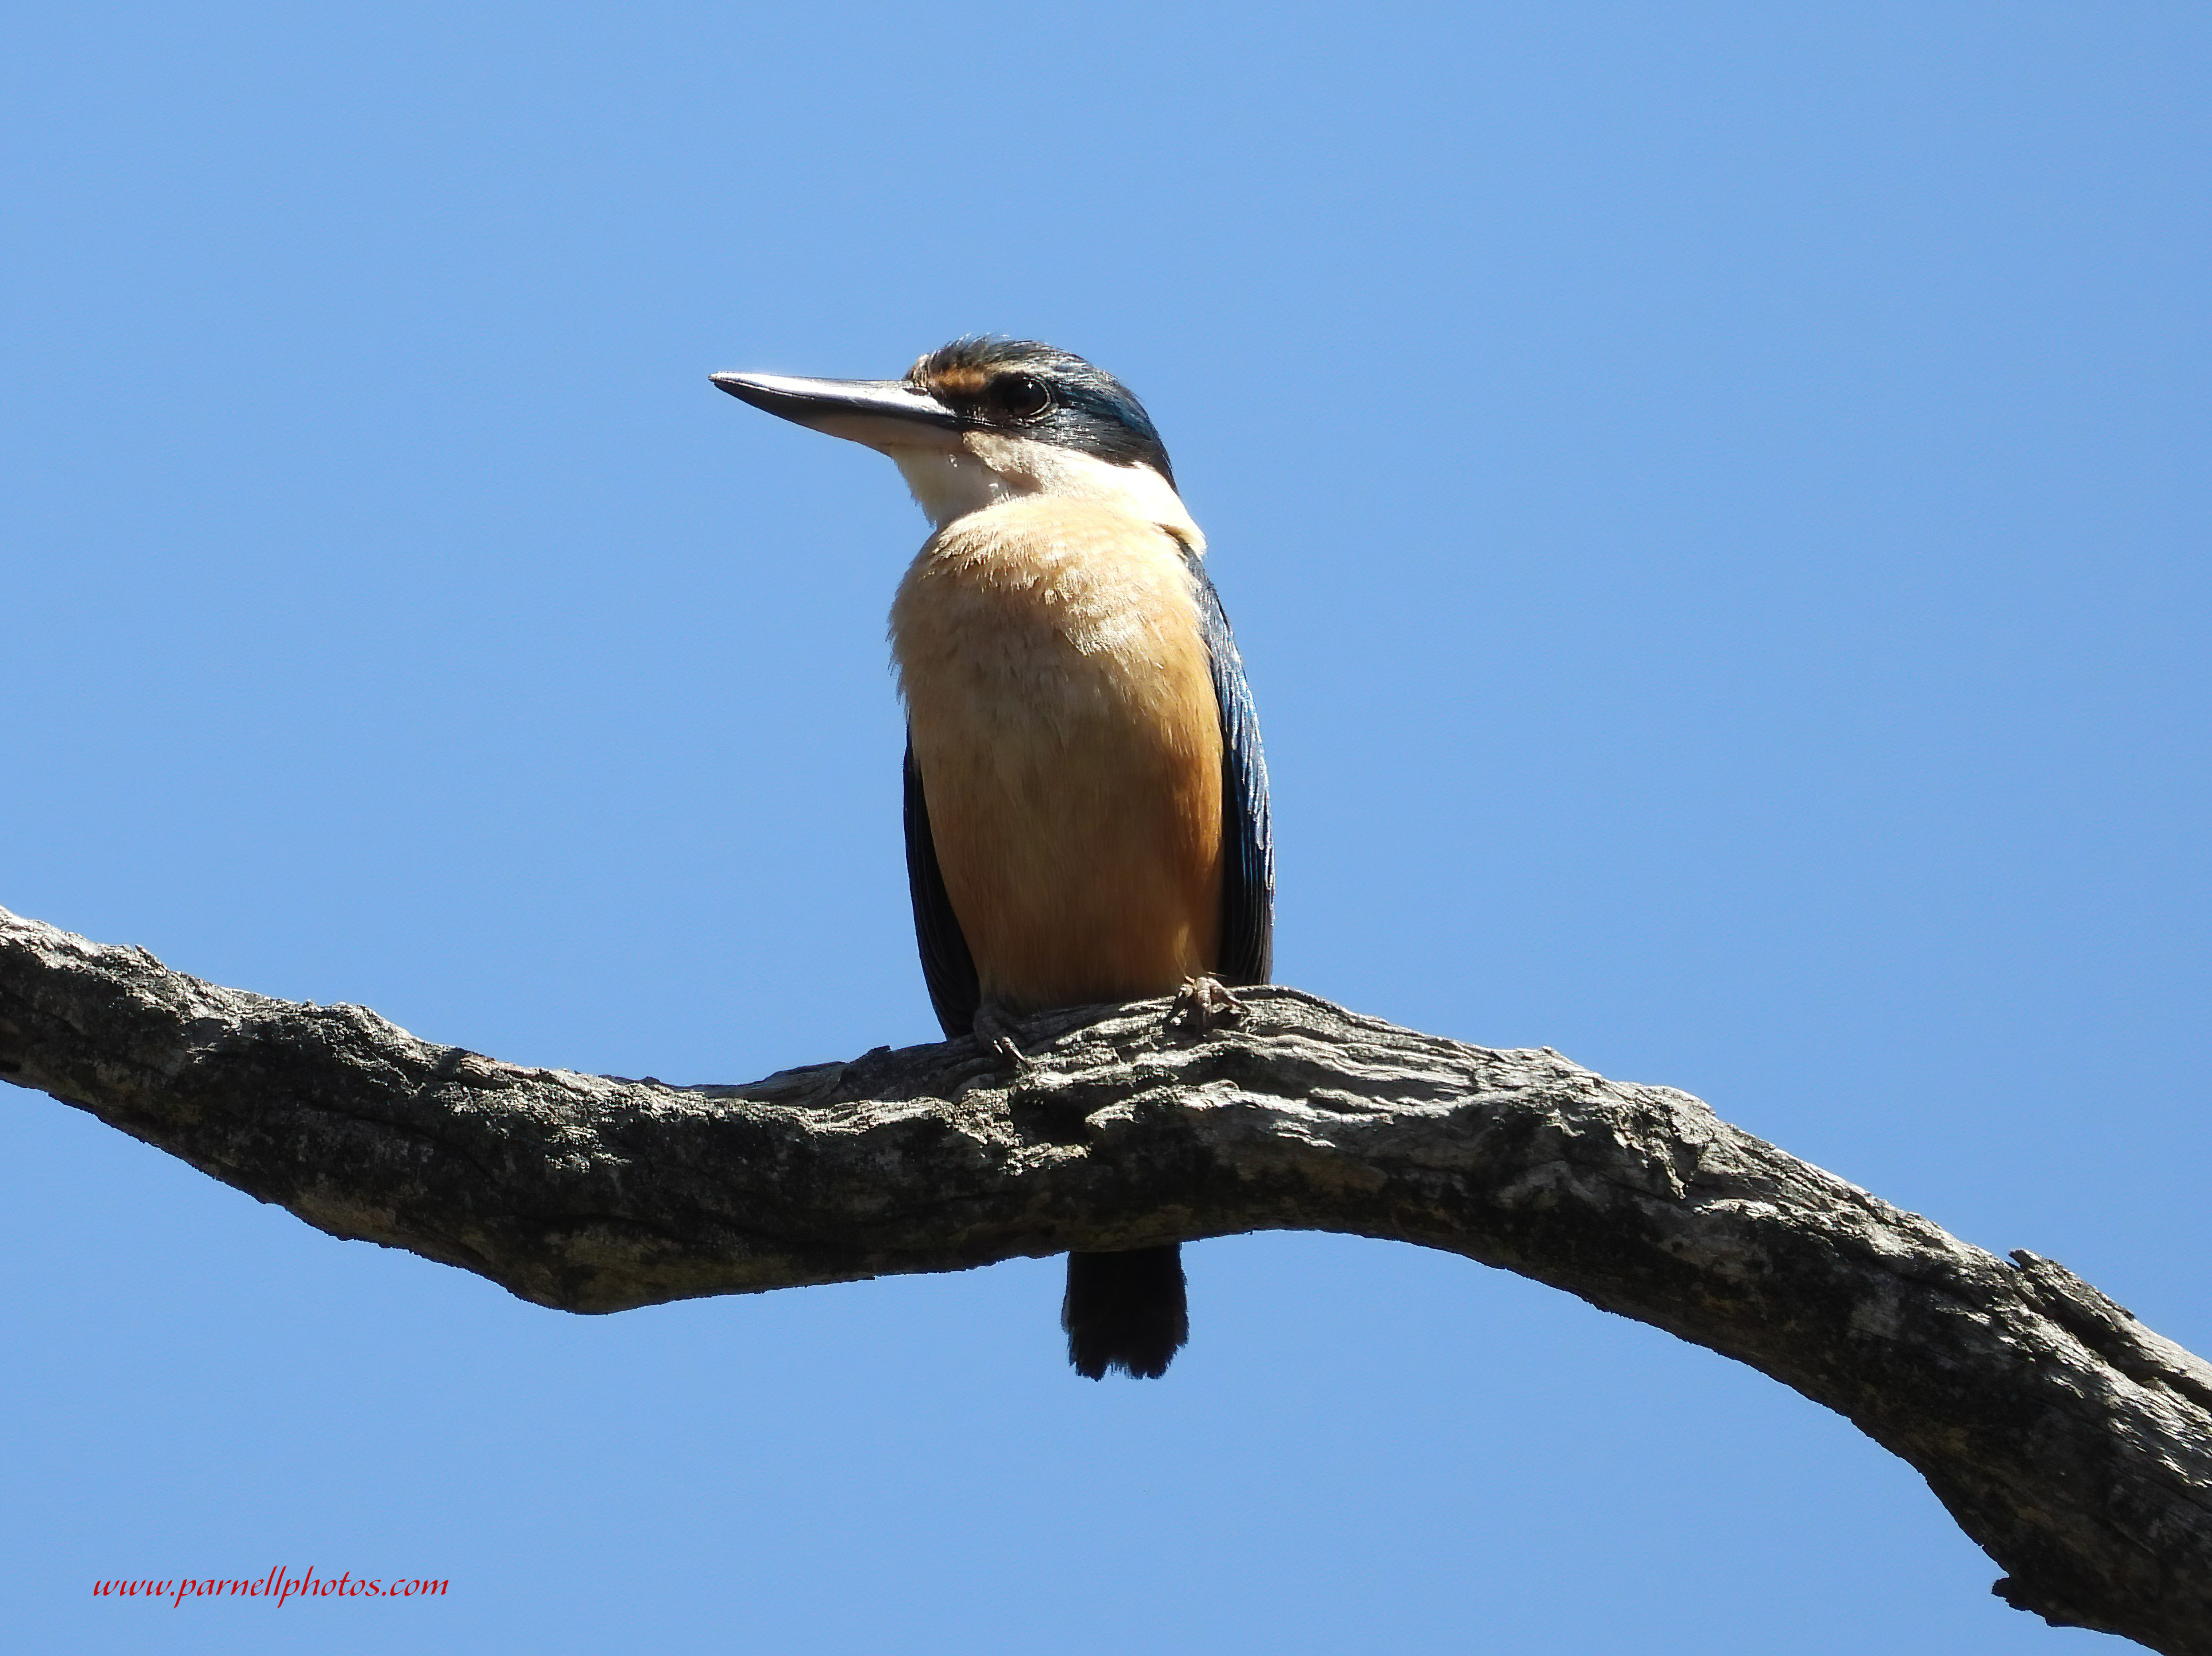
[[1086, 805]]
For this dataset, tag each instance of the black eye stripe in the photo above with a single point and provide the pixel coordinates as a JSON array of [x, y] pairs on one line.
[[1083, 408]]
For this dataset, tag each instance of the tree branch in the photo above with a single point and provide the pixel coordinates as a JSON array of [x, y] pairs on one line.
[[2068, 1440]]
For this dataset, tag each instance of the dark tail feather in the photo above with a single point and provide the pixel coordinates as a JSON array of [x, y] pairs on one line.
[[1125, 1311]]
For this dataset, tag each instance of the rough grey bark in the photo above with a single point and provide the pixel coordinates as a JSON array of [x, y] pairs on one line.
[[2071, 1442]]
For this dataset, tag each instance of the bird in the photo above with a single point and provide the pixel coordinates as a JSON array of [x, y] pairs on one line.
[[1085, 799]]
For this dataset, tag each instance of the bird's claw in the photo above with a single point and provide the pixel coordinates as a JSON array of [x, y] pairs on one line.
[[1204, 1003], [994, 1034]]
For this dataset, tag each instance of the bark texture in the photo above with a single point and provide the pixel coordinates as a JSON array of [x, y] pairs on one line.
[[2071, 1442]]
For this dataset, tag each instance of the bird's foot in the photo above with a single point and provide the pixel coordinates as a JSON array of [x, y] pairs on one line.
[[994, 1029], [1203, 1004]]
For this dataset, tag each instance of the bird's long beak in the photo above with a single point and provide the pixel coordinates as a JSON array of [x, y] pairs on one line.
[[884, 414]]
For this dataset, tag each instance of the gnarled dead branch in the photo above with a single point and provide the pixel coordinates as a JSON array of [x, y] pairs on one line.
[[2071, 1442]]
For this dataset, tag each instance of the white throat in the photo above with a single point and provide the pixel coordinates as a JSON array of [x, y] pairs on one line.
[[987, 467]]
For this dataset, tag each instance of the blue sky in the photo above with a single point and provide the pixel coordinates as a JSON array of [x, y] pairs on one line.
[[1712, 501]]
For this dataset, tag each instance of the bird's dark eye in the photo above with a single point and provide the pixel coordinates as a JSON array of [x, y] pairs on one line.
[[1022, 396]]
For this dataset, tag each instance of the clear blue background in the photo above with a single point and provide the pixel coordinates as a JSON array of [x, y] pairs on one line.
[[1711, 499]]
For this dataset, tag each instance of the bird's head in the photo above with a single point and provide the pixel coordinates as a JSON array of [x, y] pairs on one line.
[[985, 420]]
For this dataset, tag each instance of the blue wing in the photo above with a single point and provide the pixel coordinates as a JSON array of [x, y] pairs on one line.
[[1248, 872], [946, 966], [1247, 847]]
